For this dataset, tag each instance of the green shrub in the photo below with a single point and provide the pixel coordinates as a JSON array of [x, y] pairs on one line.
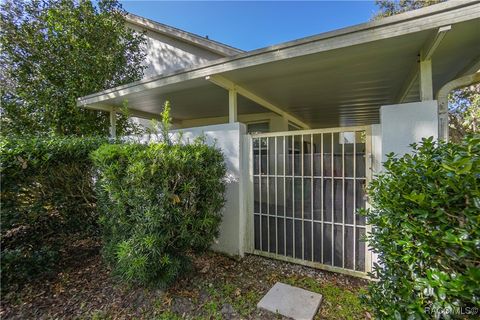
[[426, 220], [46, 196], [157, 202]]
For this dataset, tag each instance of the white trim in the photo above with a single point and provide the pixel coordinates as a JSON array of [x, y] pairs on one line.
[[427, 53], [199, 41], [368, 176], [250, 241], [313, 264], [310, 131], [131, 112]]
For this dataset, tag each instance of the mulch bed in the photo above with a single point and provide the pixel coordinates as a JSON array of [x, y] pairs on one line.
[[218, 287]]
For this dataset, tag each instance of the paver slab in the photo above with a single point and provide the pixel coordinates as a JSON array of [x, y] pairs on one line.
[[292, 302]]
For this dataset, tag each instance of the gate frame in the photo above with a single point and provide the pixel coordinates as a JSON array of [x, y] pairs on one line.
[[249, 234]]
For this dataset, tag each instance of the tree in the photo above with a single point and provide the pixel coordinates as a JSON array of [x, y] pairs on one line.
[[389, 8], [464, 112], [464, 104], [54, 51]]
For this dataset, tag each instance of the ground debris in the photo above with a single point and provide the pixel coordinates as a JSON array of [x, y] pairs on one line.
[[218, 287]]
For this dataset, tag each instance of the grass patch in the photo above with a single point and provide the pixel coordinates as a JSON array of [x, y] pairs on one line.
[[244, 302], [338, 303], [168, 315]]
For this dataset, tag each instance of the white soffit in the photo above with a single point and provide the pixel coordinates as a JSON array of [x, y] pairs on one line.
[[336, 78]]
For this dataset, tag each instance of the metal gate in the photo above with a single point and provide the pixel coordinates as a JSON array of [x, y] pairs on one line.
[[307, 187]]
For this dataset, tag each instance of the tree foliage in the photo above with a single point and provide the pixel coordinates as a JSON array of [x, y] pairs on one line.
[[464, 112], [425, 213], [389, 8], [54, 51], [464, 104]]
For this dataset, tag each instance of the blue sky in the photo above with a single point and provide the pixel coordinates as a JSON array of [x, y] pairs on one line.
[[251, 25]]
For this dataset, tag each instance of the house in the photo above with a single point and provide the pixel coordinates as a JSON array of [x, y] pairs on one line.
[[170, 49], [303, 125]]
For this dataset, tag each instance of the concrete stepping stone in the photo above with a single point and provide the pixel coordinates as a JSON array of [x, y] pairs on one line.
[[291, 302]]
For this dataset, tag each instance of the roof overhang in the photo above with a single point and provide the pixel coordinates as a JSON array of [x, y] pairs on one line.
[[331, 79]]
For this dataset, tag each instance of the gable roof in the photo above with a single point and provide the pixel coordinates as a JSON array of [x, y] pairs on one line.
[[194, 39]]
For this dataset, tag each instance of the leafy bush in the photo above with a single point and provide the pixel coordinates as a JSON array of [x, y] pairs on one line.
[[47, 194], [157, 202], [427, 232]]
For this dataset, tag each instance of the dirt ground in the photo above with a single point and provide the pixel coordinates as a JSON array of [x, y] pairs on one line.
[[218, 287]]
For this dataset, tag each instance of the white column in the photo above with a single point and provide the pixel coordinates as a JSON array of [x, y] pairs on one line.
[[426, 87], [232, 105], [285, 123]]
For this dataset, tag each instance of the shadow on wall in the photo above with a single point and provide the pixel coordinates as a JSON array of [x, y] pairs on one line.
[[165, 55]]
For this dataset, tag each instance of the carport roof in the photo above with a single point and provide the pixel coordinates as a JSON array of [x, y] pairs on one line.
[[332, 79]]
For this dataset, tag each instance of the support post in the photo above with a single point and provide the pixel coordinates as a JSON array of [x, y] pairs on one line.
[[424, 69], [232, 105], [285, 123], [426, 86], [113, 123], [229, 85]]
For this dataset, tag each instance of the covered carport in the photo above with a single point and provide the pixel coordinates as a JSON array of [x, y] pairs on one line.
[[338, 78]]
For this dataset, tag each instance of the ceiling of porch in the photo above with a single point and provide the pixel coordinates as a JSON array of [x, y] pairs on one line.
[[347, 87], [329, 87]]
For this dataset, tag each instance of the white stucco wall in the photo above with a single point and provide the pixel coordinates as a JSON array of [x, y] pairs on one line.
[[403, 124], [166, 54], [229, 138]]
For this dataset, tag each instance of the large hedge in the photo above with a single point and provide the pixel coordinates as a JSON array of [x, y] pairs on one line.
[[158, 202], [426, 217], [47, 196]]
